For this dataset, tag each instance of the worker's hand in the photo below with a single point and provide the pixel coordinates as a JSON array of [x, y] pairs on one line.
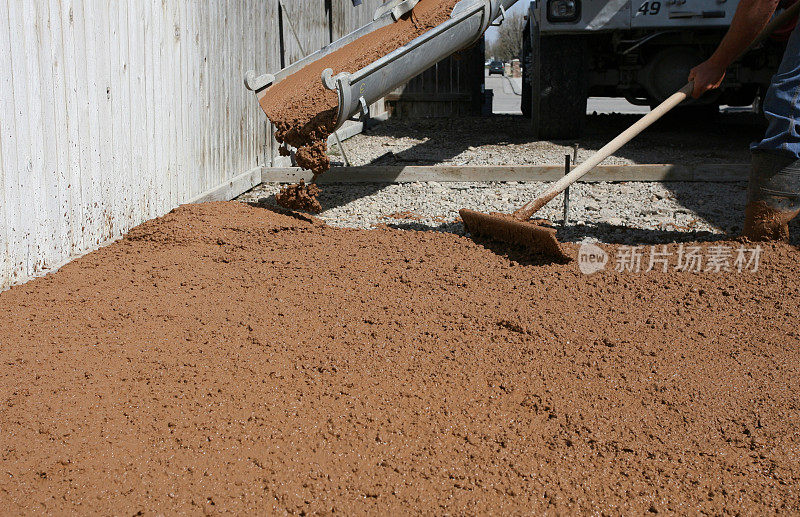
[[708, 75]]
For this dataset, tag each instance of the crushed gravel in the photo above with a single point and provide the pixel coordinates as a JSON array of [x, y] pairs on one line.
[[504, 140], [628, 213]]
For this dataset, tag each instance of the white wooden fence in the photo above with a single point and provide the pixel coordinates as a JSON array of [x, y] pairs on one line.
[[113, 112]]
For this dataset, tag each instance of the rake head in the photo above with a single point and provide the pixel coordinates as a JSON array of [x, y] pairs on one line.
[[505, 228]]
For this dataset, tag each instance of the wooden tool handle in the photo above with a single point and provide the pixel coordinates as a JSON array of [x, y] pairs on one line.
[[525, 213]]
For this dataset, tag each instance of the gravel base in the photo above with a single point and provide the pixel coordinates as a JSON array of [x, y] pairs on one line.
[[503, 140], [628, 213]]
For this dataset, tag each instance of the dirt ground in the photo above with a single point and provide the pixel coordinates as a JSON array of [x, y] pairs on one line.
[[230, 358]]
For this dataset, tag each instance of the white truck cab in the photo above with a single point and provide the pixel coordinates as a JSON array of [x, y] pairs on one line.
[[636, 49]]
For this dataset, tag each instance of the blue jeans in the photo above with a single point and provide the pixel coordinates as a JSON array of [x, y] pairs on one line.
[[782, 104]]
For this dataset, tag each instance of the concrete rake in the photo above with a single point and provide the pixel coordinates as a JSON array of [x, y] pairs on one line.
[[518, 229]]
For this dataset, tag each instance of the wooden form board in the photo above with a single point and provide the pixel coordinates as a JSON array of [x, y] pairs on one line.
[[440, 173], [246, 181]]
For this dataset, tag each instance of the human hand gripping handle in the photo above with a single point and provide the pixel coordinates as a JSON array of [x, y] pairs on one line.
[[706, 76], [751, 24]]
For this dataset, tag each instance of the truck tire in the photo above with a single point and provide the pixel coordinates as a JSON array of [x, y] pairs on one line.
[[562, 87], [526, 98], [527, 72]]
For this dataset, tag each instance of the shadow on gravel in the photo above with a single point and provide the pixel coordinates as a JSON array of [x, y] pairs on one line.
[[614, 234], [444, 139], [604, 232], [723, 138], [456, 227], [704, 200]]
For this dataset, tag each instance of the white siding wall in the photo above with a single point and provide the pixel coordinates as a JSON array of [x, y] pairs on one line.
[[310, 22], [115, 111]]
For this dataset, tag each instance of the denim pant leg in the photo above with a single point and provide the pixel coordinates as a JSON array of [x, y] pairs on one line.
[[781, 103]]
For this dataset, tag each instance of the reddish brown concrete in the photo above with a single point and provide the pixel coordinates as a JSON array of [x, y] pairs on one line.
[[300, 196], [227, 358]]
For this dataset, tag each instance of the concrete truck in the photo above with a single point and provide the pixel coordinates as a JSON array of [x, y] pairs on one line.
[[641, 50]]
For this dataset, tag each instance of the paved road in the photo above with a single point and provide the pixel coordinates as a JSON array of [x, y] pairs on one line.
[[615, 105], [507, 95]]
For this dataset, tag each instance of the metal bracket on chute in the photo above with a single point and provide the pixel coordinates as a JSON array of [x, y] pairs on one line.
[[256, 83], [398, 8]]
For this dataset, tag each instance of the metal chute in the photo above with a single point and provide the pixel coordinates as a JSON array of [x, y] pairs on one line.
[[356, 91]]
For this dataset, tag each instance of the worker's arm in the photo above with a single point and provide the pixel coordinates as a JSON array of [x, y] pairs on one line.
[[750, 18]]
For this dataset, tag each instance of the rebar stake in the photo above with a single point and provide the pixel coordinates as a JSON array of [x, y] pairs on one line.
[[567, 168], [341, 148]]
